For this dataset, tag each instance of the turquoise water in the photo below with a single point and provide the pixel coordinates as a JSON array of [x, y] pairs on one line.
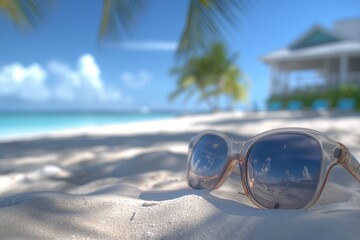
[[15, 124]]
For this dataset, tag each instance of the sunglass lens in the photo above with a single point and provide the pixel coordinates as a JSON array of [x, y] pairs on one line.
[[283, 170], [208, 161]]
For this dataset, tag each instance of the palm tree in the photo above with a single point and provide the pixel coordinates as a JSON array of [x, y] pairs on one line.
[[218, 64], [211, 75], [205, 22], [235, 86], [193, 78]]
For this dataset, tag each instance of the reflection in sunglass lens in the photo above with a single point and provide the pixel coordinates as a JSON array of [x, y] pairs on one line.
[[208, 161], [283, 170]]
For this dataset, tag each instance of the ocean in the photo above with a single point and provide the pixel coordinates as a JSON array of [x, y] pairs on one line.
[[26, 123]]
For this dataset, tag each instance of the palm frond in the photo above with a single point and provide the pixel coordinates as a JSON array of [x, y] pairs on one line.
[[26, 13], [176, 93], [207, 21], [235, 86], [185, 83], [190, 91], [118, 17]]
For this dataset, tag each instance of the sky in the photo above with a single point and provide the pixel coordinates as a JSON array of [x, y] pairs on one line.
[[59, 64]]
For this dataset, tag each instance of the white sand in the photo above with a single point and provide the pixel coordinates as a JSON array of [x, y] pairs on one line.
[[128, 182]]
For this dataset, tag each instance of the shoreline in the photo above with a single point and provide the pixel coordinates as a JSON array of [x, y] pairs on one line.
[[163, 124], [75, 129]]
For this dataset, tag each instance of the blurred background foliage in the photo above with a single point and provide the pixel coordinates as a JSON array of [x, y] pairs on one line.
[[212, 75], [332, 95]]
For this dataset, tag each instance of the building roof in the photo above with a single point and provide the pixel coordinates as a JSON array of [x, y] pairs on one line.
[[319, 51], [319, 42], [316, 35]]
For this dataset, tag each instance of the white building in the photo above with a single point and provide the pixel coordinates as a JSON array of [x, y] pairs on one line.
[[317, 59]]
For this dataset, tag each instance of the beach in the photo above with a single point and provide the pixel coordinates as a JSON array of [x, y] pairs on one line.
[[128, 181]]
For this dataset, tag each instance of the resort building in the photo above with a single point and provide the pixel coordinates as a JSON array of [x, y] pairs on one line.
[[318, 59]]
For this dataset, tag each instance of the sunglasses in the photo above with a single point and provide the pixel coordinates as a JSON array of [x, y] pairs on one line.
[[283, 168]]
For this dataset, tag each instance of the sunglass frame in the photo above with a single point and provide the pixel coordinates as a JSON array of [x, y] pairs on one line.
[[333, 153]]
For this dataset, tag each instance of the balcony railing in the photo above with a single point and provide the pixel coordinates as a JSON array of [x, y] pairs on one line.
[[313, 82]]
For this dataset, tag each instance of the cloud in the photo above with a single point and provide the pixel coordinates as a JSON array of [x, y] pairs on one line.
[[204, 163], [306, 173], [265, 168], [290, 176], [28, 83], [58, 81], [150, 45], [136, 80], [83, 82]]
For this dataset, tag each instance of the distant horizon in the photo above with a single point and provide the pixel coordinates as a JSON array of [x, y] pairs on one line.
[[114, 111], [92, 110]]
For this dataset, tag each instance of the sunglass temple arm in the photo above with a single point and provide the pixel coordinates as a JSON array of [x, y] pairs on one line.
[[349, 162]]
